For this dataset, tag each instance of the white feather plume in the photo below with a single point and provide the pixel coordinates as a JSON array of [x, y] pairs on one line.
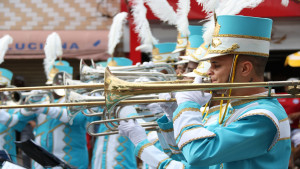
[[142, 27], [225, 7], [208, 5], [52, 49], [4, 42], [285, 2], [115, 32], [58, 46], [183, 9], [163, 10]]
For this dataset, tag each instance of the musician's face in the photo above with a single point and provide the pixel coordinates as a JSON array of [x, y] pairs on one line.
[[220, 68], [180, 69], [191, 66]]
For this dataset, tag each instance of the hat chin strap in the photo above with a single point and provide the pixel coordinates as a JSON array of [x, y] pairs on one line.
[[230, 80], [229, 77]]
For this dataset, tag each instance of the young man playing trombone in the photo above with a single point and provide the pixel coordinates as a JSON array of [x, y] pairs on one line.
[[251, 133]]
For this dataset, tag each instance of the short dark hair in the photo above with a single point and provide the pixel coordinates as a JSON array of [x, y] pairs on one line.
[[258, 62]]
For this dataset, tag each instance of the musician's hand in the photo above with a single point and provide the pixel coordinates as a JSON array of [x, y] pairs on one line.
[[168, 107], [195, 96], [148, 64], [154, 108], [133, 130], [36, 96]]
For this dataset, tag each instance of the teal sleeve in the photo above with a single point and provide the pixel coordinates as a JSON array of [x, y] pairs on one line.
[[22, 121], [246, 138], [24, 117]]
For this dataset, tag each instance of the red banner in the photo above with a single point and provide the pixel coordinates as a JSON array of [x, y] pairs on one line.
[[269, 8]]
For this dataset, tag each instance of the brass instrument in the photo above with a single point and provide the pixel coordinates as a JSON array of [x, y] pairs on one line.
[[168, 67], [117, 90], [27, 97], [87, 73]]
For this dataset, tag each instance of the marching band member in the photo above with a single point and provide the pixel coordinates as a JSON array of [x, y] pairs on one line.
[[247, 134], [8, 118], [9, 122], [113, 151], [53, 131]]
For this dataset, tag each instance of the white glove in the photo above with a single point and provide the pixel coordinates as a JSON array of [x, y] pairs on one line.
[[148, 64], [127, 111], [195, 96], [168, 107], [133, 130], [198, 79], [138, 64], [35, 110], [199, 97], [154, 108], [36, 96]]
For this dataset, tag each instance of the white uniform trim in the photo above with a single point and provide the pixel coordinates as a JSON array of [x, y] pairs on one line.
[[245, 45], [14, 120], [99, 153], [211, 119], [185, 119], [152, 137], [111, 151], [152, 156], [284, 127], [238, 112], [194, 134], [174, 164], [281, 128]]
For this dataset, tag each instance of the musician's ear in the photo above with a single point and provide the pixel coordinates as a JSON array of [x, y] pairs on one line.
[[245, 68]]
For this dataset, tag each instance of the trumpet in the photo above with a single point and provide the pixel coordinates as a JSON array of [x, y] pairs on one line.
[[87, 73], [158, 67], [28, 97]]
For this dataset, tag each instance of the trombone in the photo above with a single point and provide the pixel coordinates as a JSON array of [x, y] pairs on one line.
[[117, 90]]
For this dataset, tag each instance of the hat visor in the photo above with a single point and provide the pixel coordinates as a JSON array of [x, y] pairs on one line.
[[209, 56], [49, 82], [181, 62], [178, 50], [189, 58], [191, 74]]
